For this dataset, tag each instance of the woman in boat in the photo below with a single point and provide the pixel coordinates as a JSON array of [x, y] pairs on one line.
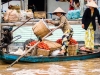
[[88, 23], [66, 28]]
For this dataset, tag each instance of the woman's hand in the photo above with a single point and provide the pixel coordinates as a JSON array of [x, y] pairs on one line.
[[83, 26], [52, 29], [48, 21]]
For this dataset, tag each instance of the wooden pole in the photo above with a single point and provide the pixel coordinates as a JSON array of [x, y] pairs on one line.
[[0, 22], [21, 4], [8, 2], [81, 7], [34, 46]]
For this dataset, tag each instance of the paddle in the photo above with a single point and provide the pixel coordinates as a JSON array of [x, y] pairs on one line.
[[33, 46]]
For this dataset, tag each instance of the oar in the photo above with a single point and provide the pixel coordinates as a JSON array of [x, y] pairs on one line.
[[20, 25], [33, 46]]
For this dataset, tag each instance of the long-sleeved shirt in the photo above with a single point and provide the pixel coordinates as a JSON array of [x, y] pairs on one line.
[[65, 26], [87, 18]]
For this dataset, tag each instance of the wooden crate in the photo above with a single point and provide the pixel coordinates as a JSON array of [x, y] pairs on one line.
[[39, 15]]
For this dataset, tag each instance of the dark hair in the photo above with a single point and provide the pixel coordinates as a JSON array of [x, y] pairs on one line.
[[10, 6], [68, 0], [59, 12]]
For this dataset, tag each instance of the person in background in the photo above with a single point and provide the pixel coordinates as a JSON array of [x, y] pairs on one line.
[[88, 23], [33, 8], [74, 5], [66, 28], [71, 6]]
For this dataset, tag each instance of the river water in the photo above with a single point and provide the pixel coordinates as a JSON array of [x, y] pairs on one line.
[[81, 67]]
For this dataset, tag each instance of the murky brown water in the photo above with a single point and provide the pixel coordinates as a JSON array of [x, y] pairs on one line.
[[86, 67]]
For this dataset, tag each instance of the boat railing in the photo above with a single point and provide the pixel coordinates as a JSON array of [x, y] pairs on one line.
[[33, 21]]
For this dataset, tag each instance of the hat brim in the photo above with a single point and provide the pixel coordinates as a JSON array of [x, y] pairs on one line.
[[54, 13], [91, 6]]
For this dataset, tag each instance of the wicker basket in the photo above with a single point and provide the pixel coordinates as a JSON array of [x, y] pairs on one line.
[[40, 29], [42, 52], [52, 45], [72, 50]]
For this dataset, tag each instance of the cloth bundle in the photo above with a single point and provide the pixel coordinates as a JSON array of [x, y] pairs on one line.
[[73, 14], [11, 16], [23, 15], [29, 13]]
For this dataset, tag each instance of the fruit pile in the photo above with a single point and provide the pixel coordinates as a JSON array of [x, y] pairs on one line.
[[71, 42], [41, 45]]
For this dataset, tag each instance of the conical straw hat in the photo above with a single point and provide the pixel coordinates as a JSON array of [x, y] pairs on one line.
[[59, 10], [92, 4]]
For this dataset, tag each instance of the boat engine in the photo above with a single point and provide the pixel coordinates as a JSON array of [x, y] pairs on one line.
[[6, 38]]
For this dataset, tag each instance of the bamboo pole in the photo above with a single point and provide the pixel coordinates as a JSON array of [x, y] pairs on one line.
[[34, 46]]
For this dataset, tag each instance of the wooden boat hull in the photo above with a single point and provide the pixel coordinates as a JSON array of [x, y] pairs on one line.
[[35, 59]]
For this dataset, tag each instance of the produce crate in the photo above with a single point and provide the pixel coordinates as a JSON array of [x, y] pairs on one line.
[[42, 52], [39, 15]]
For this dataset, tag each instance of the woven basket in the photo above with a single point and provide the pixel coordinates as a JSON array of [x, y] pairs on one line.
[[72, 50], [40, 29], [42, 52], [52, 45]]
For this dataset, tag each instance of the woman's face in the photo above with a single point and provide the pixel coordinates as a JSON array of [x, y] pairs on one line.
[[91, 7], [58, 14]]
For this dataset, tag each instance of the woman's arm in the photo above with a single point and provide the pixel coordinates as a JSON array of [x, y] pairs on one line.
[[63, 20], [52, 22], [84, 16]]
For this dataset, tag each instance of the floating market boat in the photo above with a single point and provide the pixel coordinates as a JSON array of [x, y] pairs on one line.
[[34, 59]]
